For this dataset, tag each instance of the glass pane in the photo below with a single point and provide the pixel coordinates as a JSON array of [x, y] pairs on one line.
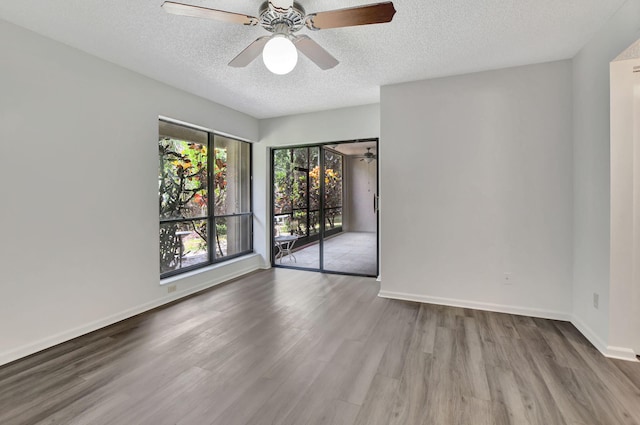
[[314, 181], [282, 181], [231, 176], [300, 179], [333, 219], [355, 250], [304, 255], [233, 235], [182, 179], [181, 132], [332, 179], [314, 223], [301, 158], [183, 244], [296, 229], [286, 224], [299, 223], [351, 252]]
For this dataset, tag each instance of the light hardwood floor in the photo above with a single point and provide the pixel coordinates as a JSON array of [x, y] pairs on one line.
[[291, 347]]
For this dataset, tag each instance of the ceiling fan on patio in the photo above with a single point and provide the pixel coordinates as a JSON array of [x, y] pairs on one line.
[[368, 156], [283, 18]]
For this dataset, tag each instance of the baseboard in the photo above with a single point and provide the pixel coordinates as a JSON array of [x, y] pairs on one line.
[[498, 308], [610, 351], [28, 349], [588, 333], [621, 353]]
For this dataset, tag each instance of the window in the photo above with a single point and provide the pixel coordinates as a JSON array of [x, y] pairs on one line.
[[204, 193]]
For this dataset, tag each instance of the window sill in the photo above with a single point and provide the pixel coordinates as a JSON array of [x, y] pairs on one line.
[[218, 266]]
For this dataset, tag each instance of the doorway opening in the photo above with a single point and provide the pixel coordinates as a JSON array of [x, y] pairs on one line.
[[324, 207], [624, 290]]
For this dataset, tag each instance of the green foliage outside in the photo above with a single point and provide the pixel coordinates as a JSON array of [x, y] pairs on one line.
[[297, 189], [183, 194]]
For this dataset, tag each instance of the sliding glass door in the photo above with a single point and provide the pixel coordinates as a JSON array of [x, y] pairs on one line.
[[308, 204], [354, 248]]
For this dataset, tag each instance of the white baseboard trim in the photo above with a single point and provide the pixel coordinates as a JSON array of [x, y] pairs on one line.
[[28, 349], [620, 353], [499, 308], [609, 351], [588, 333]]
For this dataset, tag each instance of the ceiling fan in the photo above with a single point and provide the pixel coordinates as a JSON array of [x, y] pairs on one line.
[[368, 156], [283, 18]]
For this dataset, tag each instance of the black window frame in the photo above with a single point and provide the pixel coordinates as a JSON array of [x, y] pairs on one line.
[[211, 217]]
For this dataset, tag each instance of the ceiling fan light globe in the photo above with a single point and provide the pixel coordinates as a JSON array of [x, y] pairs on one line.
[[280, 55]]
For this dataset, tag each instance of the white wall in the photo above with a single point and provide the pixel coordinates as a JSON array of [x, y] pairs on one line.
[[360, 122], [361, 188], [79, 190], [476, 180], [591, 150]]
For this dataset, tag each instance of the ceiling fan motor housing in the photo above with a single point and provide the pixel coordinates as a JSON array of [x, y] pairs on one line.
[[273, 20]]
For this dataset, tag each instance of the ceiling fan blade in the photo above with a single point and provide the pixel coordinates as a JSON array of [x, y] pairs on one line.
[[362, 15], [203, 12], [251, 52], [281, 5], [315, 52]]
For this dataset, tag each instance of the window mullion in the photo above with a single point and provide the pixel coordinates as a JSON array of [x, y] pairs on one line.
[[211, 198]]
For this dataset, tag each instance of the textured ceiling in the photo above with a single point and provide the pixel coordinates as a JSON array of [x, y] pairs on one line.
[[427, 38]]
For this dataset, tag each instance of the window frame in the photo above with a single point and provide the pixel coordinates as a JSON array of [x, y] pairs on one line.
[[211, 217]]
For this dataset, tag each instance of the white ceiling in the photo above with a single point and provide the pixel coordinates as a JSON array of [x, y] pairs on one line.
[[427, 38]]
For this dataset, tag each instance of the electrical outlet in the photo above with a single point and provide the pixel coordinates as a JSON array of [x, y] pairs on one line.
[[507, 278], [596, 299], [172, 288]]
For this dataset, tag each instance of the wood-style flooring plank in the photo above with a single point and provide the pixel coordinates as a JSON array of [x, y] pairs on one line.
[[288, 347], [411, 397], [540, 406], [378, 405], [505, 392], [443, 389], [397, 328], [321, 397], [469, 361], [282, 400]]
